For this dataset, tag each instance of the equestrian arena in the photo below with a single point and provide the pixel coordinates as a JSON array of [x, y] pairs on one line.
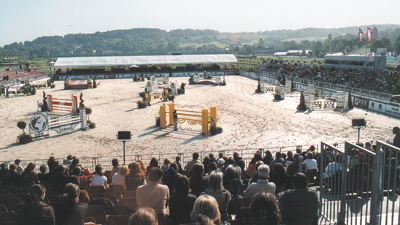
[[249, 121]]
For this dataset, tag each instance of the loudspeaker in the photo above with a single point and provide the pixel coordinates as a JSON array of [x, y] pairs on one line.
[[358, 122], [124, 135]]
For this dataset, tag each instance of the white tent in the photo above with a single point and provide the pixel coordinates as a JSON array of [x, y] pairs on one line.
[[390, 59], [144, 60]]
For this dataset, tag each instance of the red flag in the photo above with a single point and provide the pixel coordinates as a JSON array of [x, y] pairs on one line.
[[360, 34], [369, 34]]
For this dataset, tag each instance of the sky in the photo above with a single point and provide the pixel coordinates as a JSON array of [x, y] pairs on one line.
[[26, 20]]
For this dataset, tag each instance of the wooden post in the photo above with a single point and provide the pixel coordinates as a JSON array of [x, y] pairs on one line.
[[213, 114], [204, 121], [163, 117], [171, 111]]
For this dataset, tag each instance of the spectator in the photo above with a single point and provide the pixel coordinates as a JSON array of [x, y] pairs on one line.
[[231, 182], [294, 167], [216, 189], [29, 176], [142, 167], [211, 167], [278, 159], [70, 211], [19, 167], [220, 164], [115, 168], [262, 184], [51, 163], [251, 169], [281, 180], [144, 216], [268, 157], [181, 203], [198, 183], [289, 158], [239, 161], [165, 167], [12, 177], [3, 173], [67, 161], [135, 178], [170, 177], [154, 194], [310, 162], [119, 178], [59, 179], [396, 140], [74, 164], [264, 210], [206, 163], [299, 206], [85, 177], [43, 175], [206, 209], [190, 164], [178, 163], [34, 211], [254, 179], [153, 163], [98, 177]]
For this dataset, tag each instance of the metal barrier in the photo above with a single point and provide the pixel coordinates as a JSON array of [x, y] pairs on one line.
[[359, 186]]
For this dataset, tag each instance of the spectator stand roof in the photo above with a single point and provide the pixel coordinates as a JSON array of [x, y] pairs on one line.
[[144, 60]]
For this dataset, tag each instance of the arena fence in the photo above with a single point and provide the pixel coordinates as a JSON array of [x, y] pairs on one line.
[[359, 186], [90, 162]]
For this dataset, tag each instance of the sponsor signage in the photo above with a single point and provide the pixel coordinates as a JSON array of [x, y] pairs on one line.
[[361, 102], [38, 124], [378, 106], [109, 76], [394, 110], [65, 128]]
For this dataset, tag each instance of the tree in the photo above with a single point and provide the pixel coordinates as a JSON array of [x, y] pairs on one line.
[[329, 37], [375, 35], [302, 106], [349, 102]]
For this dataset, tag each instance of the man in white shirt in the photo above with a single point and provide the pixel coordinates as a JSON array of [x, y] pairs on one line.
[[310, 162]]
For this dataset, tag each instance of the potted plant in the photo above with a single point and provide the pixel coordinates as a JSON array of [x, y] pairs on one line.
[[23, 138]]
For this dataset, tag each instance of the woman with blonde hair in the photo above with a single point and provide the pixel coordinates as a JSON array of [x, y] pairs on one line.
[[135, 177], [205, 209], [119, 178]]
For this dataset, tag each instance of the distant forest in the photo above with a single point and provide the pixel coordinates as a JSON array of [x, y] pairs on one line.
[[146, 41]]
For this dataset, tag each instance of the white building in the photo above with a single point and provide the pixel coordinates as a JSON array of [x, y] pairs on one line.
[[359, 62]]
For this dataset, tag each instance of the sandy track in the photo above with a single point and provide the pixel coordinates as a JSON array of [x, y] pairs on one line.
[[249, 121]]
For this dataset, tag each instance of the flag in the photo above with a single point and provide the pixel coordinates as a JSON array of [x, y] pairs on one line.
[[369, 34], [360, 34]]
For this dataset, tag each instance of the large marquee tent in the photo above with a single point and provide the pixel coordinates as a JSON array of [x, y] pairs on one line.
[[144, 60]]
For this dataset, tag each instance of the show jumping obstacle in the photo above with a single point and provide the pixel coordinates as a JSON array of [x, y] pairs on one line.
[[339, 100], [42, 122], [61, 105], [203, 117], [78, 84]]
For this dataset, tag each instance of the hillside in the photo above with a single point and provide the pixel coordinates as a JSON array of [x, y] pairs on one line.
[[146, 41]]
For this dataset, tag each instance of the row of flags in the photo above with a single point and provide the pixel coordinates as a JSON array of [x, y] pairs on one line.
[[361, 34]]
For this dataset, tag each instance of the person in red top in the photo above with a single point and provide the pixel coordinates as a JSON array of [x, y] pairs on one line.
[[85, 178]]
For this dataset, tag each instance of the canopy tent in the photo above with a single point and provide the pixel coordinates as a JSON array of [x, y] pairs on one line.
[[390, 58], [144, 60]]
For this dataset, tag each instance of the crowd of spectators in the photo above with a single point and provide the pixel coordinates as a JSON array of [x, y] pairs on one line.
[[382, 81], [211, 191]]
